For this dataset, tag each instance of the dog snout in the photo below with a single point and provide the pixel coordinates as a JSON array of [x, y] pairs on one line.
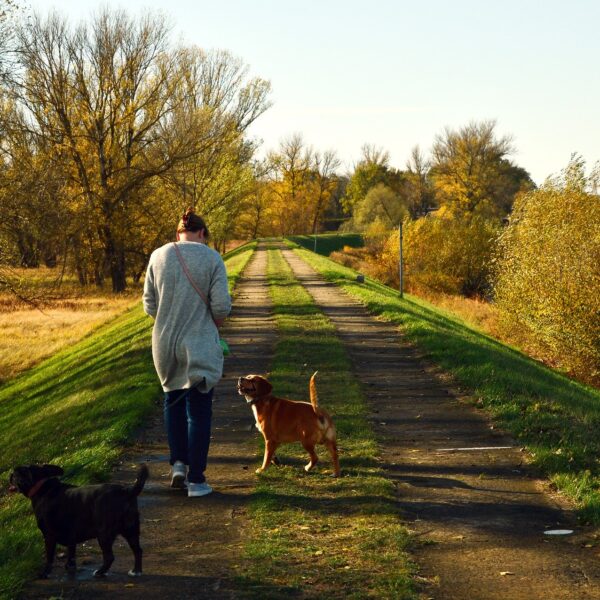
[[12, 488]]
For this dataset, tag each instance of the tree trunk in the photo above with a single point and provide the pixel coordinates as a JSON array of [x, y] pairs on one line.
[[116, 261], [50, 256], [98, 276], [27, 250]]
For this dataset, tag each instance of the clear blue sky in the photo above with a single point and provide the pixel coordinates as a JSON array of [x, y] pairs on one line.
[[395, 73]]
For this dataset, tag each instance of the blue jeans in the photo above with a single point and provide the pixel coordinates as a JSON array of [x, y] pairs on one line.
[[188, 415]]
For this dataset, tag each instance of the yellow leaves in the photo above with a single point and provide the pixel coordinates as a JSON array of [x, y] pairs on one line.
[[548, 284]]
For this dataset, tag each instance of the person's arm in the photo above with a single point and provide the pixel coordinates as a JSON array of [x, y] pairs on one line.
[[220, 300], [149, 297]]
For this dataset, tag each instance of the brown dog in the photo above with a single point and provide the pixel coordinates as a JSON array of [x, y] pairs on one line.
[[282, 421]]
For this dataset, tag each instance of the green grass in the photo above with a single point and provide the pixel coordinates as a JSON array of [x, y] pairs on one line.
[[329, 242], [556, 418], [312, 534], [236, 262], [71, 410]]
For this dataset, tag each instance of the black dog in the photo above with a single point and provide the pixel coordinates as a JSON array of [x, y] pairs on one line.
[[68, 515]]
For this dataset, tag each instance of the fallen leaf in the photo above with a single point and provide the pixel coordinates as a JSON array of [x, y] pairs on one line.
[[506, 573], [318, 552]]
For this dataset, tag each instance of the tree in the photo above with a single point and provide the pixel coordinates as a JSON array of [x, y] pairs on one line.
[[443, 254], [324, 167], [334, 214], [121, 109], [471, 172], [301, 182], [372, 169], [548, 271], [216, 179], [289, 168], [420, 192], [383, 205], [10, 13]]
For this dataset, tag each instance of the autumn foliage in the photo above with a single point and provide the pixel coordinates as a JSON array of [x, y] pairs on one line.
[[548, 272]]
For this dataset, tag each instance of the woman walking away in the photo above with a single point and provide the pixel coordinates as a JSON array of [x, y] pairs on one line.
[[186, 292]]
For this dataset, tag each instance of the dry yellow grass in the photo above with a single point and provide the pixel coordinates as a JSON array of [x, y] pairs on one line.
[[59, 317], [478, 313], [30, 335]]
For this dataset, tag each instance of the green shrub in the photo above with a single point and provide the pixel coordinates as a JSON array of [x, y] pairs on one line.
[[548, 273]]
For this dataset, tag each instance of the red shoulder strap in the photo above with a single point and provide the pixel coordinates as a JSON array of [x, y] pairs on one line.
[[189, 276]]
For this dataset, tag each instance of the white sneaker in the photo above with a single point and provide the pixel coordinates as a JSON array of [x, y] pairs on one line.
[[198, 489], [178, 475]]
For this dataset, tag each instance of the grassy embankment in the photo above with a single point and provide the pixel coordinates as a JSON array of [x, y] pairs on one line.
[[58, 318], [325, 537], [329, 242], [556, 418], [71, 410]]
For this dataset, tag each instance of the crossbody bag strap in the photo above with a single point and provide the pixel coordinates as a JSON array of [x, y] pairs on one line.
[[189, 276]]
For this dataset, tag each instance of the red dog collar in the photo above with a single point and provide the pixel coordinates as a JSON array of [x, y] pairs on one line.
[[36, 488]]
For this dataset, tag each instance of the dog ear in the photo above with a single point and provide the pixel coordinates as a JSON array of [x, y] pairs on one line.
[[52, 471], [263, 386]]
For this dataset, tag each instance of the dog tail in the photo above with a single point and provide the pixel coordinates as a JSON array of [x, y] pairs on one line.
[[314, 397], [142, 475]]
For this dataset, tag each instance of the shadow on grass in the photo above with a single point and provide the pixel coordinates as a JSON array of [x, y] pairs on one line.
[[349, 505]]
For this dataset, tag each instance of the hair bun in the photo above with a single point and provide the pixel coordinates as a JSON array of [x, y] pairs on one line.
[[186, 216], [190, 221]]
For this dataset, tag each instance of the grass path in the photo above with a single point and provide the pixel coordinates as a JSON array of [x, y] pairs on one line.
[[313, 536], [462, 484], [306, 535], [556, 418]]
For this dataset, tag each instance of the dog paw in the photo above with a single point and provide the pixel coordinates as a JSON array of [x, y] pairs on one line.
[[99, 573], [133, 573], [258, 471]]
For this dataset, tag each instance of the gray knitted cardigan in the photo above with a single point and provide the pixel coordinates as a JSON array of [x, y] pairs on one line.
[[185, 340]]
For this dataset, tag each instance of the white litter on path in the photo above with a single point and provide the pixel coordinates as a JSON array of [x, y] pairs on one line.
[[558, 532]]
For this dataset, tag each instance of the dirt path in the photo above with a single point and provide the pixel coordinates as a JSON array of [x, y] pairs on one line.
[[482, 511], [190, 544]]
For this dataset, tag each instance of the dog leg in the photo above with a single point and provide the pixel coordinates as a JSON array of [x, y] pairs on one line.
[[50, 544], [108, 557], [270, 448], [71, 564], [133, 539], [332, 447], [314, 459]]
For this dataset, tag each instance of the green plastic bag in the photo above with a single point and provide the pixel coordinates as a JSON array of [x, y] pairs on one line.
[[225, 347]]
